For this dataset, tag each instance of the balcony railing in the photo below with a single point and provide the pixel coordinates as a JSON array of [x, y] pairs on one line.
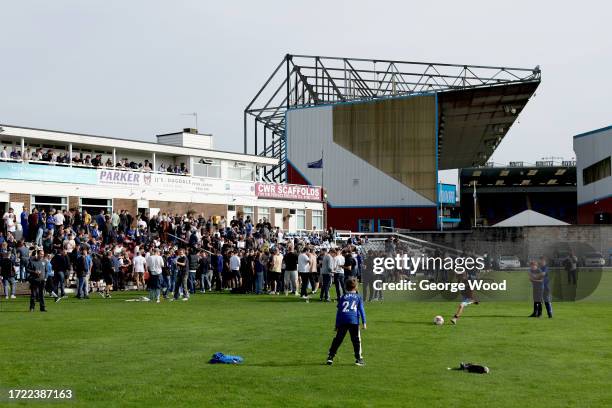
[[90, 166]]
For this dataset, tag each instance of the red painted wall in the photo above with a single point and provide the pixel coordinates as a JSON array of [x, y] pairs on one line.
[[416, 218], [293, 177], [586, 212]]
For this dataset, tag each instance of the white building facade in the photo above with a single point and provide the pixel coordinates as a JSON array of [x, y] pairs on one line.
[[177, 178]]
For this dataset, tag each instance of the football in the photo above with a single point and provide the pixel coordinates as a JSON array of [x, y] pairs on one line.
[[438, 320]]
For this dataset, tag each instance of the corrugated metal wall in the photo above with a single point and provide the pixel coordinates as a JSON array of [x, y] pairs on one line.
[[396, 136], [349, 179]]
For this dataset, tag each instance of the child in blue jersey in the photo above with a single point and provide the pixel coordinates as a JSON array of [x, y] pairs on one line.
[[350, 310]]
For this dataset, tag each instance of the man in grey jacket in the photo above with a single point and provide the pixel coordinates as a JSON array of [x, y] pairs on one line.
[[328, 265], [37, 271]]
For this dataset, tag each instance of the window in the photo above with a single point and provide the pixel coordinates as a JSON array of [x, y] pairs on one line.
[[94, 205], [385, 225], [300, 217], [248, 212], [48, 202], [317, 220], [263, 212], [596, 172], [365, 225], [207, 168], [241, 173]]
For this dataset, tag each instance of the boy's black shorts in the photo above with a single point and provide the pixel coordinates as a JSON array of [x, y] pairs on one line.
[[273, 276], [314, 276]]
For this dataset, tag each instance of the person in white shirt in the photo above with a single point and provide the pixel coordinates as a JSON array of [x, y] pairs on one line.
[[142, 224], [155, 263], [10, 221], [304, 272], [234, 264], [59, 219], [5, 153], [339, 275], [69, 243], [140, 266]]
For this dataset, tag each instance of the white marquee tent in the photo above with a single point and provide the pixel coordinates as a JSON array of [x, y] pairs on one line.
[[529, 218]]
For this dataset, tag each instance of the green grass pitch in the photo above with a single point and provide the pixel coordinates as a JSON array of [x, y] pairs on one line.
[[115, 353]]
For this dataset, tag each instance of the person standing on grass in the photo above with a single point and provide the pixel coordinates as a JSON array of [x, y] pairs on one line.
[[259, 272], [368, 277], [205, 272], [83, 270], [61, 266], [182, 276], [140, 266], [291, 271], [350, 311], [246, 270], [50, 278], [313, 266], [276, 266], [108, 272], [217, 266], [328, 264], [570, 265], [37, 270], [8, 275], [193, 260], [116, 262], [155, 264], [304, 271], [537, 283], [339, 274], [172, 272], [350, 264], [546, 292], [234, 265]]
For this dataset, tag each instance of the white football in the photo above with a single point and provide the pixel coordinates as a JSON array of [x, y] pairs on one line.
[[438, 320]]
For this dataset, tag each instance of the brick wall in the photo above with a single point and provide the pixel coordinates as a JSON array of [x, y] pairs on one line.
[[125, 204], [20, 198], [73, 202]]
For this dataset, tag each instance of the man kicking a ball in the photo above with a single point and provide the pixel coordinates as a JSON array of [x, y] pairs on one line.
[[350, 309], [468, 298]]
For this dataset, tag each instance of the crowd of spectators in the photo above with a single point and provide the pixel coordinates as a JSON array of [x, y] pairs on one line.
[[50, 156], [173, 256]]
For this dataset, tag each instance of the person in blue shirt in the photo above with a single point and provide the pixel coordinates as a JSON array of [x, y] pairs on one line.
[[350, 310], [24, 223], [51, 222]]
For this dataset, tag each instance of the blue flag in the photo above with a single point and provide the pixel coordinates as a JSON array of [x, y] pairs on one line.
[[316, 164]]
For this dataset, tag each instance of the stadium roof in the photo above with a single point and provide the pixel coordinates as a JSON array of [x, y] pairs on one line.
[[478, 103], [473, 122], [529, 218], [545, 175]]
